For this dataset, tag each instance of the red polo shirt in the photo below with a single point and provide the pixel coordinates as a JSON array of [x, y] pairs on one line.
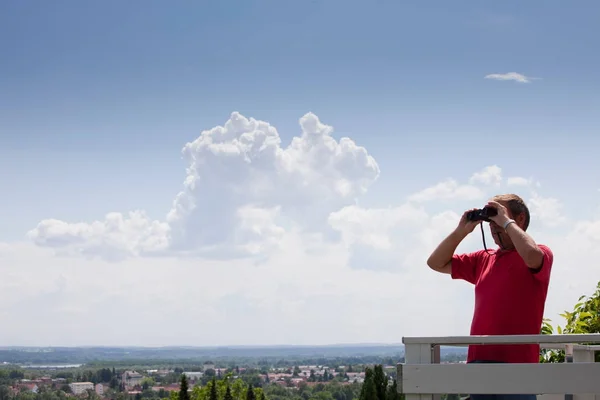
[[509, 300]]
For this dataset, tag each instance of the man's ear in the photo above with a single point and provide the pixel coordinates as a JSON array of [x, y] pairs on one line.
[[520, 219]]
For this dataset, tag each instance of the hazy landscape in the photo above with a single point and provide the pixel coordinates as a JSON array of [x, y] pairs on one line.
[[97, 354], [334, 372]]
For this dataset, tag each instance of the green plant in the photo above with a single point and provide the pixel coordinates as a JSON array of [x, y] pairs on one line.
[[585, 318]]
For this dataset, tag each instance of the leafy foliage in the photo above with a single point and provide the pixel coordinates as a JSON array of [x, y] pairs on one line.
[[369, 390], [250, 393], [213, 390], [228, 395], [584, 318], [183, 388], [376, 386], [380, 381]]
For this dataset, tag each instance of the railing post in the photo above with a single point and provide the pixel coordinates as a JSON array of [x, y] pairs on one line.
[[581, 354], [422, 353], [436, 356], [569, 359]]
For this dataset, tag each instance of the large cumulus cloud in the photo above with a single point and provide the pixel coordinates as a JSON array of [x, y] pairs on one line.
[[242, 191]]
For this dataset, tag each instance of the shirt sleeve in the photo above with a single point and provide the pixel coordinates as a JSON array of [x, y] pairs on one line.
[[466, 266], [543, 273]]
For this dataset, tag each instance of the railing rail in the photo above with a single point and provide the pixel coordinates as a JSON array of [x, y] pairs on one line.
[[504, 339], [421, 377]]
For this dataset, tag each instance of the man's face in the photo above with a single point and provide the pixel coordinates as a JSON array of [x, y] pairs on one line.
[[498, 233]]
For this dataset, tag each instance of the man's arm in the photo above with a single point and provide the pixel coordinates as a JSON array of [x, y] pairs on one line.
[[458, 266], [525, 246], [441, 258]]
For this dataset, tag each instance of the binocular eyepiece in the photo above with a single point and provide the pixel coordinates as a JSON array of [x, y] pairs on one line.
[[482, 214]]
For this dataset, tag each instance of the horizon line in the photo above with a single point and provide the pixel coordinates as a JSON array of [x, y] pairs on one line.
[[366, 344]]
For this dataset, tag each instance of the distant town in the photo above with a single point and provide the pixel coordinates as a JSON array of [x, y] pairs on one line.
[[134, 382], [337, 373]]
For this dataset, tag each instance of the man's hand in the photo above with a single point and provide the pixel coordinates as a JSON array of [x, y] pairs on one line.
[[502, 216], [441, 258], [464, 225]]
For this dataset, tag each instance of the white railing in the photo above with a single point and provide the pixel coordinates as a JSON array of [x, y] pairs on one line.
[[422, 377]]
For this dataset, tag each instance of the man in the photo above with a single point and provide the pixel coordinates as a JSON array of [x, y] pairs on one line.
[[511, 282]]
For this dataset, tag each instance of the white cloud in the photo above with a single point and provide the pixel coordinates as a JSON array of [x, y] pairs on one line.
[[510, 76], [147, 298], [372, 227], [115, 237], [518, 181], [547, 210], [521, 181], [448, 189], [235, 172], [319, 259], [491, 175]]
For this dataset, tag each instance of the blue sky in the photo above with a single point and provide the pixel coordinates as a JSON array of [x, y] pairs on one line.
[[90, 88], [97, 99]]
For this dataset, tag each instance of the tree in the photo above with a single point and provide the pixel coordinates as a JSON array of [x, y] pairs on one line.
[[16, 374], [183, 388], [5, 392], [148, 382], [228, 395], [380, 381], [213, 390], [392, 392], [250, 393], [238, 388], [92, 395], [585, 318], [103, 375], [114, 383], [368, 390]]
